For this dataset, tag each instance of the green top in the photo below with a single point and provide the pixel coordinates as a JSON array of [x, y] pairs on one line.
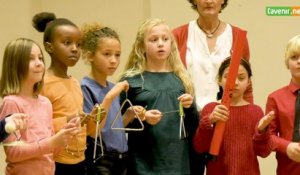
[[158, 149]]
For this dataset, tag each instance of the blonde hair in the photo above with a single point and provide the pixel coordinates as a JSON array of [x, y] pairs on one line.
[[136, 62], [292, 49], [91, 37], [15, 67]]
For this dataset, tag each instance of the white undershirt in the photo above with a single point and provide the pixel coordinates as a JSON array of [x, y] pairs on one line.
[[203, 65]]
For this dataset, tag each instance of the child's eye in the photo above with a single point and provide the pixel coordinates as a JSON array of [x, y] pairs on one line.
[[294, 57], [153, 39], [241, 78], [67, 42]]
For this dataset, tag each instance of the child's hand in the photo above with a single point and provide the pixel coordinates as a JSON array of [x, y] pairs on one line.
[[74, 122], [153, 116], [186, 100], [140, 111], [15, 121], [122, 86], [220, 113], [70, 117], [265, 121], [116, 90], [293, 151], [94, 113], [70, 130]]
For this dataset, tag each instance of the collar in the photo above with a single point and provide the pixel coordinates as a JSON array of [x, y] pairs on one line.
[[293, 87]]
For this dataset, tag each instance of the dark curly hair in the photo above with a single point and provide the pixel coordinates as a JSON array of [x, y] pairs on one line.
[[195, 7], [91, 36], [46, 22]]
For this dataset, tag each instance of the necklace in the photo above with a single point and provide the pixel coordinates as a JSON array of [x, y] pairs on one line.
[[210, 34]]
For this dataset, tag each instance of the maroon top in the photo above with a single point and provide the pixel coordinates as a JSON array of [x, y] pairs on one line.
[[236, 155], [280, 134]]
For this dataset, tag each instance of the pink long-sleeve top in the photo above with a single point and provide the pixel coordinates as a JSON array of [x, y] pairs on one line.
[[36, 157]]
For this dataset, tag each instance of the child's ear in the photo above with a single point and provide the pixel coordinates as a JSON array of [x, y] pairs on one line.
[[194, 2], [249, 82], [219, 82], [89, 56], [48, 47]]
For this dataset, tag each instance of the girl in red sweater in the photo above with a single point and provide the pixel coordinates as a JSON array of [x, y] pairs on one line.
[[237, 156]]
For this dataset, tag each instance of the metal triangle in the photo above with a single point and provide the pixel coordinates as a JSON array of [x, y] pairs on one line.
[[135, 116]]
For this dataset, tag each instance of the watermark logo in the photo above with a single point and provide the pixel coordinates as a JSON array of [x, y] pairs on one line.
[[282, 11]]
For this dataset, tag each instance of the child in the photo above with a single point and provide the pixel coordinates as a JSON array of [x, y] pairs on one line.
[[158, 80], [62, 42], [280, 110], [102, 49], [20, 84], [236, 154], [11, 123]]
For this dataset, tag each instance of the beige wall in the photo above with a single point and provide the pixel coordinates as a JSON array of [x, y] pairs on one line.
[[267, 35]]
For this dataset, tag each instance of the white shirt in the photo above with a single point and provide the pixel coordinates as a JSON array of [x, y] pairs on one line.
[[202, 65]]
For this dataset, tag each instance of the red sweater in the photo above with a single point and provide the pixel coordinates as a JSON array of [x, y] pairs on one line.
[[237, 156]]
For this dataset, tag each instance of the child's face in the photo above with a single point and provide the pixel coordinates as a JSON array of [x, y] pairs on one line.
[[65, 45], [294, 66], [158, 43], [106, 59], [36, 66], [241, 83]]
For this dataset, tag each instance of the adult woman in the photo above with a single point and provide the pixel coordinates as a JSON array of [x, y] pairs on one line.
[[203, 44]]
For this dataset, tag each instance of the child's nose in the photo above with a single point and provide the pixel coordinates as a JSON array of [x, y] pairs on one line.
[[160, 42], [39, 62], [236, 81], [74, 47]]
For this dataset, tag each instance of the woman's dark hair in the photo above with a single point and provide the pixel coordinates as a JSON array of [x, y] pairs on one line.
[[46, 22], [195, 6], [226, 64]]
